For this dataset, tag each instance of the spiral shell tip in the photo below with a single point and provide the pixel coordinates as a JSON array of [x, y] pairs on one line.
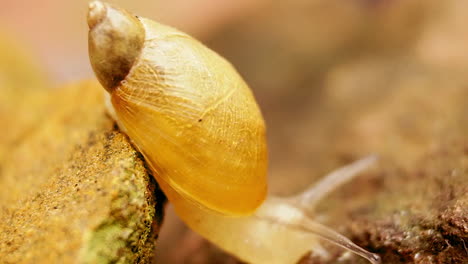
[[96, 13]]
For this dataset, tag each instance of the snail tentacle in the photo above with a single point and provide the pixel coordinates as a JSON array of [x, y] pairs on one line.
[[303, 223], [317, 191], [294, 214]]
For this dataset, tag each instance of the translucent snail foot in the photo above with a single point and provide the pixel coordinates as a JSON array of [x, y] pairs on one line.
[[282, 230]]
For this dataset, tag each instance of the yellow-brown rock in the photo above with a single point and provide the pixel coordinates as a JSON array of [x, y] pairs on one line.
[[73, 190]]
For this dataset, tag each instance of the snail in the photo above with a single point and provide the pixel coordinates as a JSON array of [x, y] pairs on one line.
[[199, 129]]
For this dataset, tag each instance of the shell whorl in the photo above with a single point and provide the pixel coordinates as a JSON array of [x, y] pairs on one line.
[[116, 39]]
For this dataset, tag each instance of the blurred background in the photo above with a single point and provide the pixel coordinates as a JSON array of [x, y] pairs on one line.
[[333, 78], [56, 31]]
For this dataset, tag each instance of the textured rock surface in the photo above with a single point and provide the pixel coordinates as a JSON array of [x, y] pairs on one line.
[[73, 190]]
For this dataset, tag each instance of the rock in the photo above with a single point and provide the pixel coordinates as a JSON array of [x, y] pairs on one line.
[[73, 190]]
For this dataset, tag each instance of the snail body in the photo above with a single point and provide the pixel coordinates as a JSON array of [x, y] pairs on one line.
[[198, 126]]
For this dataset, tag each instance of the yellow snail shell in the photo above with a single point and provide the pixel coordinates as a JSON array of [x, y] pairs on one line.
[[186, 109], [198, 126]]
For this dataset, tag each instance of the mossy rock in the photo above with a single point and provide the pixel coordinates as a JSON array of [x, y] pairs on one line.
[[73, 188]]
